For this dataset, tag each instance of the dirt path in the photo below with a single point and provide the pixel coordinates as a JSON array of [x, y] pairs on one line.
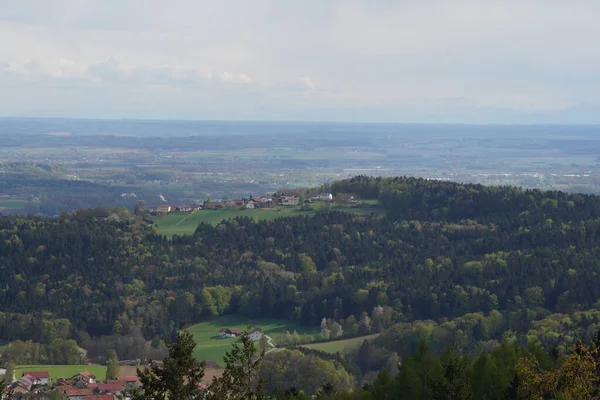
[[270, 343], [186, 217]]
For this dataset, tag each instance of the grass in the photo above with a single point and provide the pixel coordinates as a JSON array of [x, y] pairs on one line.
[[180, 224], [13, 204], [209, 347], [63, 371], [340, 345]]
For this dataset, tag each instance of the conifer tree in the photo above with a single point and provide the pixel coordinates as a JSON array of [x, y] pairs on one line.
[[240, 379], [178, 378]]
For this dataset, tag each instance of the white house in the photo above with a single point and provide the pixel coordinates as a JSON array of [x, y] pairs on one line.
[[251, 204], [322, 197], [39, 377], [290, 200], [255, 334]]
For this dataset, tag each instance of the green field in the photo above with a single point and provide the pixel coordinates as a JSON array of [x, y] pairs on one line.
[[63, 371], [12, 204], [210, 347], [340, 345], [185, 223]]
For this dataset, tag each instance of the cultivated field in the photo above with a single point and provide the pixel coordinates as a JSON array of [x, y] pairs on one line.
[[210, 347], [185, 223], [340, 345]]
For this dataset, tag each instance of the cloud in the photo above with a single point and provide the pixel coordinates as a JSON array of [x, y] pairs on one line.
[[309, 57]]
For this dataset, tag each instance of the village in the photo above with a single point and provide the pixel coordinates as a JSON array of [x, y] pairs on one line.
[[250, 203], [81, 386]]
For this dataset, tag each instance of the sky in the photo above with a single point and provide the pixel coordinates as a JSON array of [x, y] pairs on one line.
[[468, 61]]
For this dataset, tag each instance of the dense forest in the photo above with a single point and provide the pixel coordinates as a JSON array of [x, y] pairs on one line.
[[455, 263]]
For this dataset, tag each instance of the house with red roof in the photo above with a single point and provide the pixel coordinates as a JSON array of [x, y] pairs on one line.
[[229, 333], [39, 377], [111, 387], [75, 394]]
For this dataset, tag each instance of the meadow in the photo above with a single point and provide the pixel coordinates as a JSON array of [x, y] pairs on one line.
[[336, 346], [12, 204], [186, 223], [210, 347]]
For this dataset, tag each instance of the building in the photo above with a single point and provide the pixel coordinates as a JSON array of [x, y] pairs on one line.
[[100, 397], [72, 393], [290, 200], [163, 209], [251, 205], [235, 203], [322, 197], [85, 377], [229, 333], [255, 334], [212, 205], [39, 377]]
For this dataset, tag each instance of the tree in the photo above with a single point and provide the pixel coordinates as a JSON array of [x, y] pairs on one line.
[[179, 377], [240, 379], [264, 342], [56, 395], [382, 385], [10, 371], [577, 377], [455, 382], [112, 365]]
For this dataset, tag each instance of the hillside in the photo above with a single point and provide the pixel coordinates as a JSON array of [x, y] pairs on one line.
[[496, 258]]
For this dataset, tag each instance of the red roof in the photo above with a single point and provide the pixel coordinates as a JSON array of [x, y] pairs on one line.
[[111, 387], [38, 374], [76, 392], [234, 331], [86, 374], [132, 378]]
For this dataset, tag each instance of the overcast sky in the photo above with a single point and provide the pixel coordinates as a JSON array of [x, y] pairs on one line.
[[346, 60]]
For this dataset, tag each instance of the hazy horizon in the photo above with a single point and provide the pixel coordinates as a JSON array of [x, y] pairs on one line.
[[464, 61]]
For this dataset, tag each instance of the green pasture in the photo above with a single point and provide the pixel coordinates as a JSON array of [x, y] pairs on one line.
[[13, 204], [186, 223], [340, 345], [210, 347]]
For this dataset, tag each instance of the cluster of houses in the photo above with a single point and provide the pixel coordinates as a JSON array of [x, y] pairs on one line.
[[254, 334], [82, 386], [267, 201]]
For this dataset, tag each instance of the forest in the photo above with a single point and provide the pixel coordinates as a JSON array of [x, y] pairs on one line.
[[464, 264]]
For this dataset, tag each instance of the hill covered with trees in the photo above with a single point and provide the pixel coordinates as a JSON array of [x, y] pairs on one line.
[[457, 263]]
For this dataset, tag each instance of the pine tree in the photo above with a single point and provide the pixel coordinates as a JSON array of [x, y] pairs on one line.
[[240, 379], [179, 377]]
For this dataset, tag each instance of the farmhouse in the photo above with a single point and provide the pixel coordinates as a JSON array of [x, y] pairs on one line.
[[85, 377], [229, 333], [163, 209], [255, 334], [322, 197], [212, 205], [39, 377], [235, 203], [290, 200], [251, 205], [76, 394]]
